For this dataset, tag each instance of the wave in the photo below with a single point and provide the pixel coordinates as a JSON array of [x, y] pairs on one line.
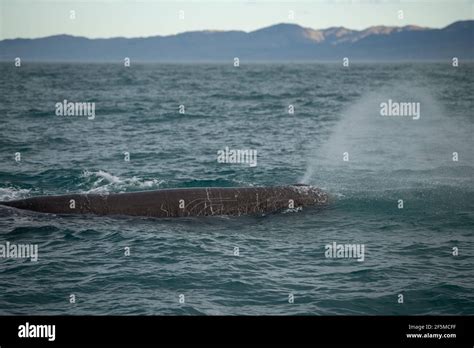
[[12, 193], [103, 182]]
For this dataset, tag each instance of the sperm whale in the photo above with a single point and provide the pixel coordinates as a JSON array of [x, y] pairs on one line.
[[180, 202]]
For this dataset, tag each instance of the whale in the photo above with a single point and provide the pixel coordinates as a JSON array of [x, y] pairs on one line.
[[180, 202]]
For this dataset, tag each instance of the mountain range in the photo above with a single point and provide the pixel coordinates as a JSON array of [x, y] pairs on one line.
[[280, 42]]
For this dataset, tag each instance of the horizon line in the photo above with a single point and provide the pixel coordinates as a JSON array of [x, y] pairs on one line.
[[241, 31]]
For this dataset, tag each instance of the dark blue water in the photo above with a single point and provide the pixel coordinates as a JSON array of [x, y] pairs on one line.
[[408, 251]]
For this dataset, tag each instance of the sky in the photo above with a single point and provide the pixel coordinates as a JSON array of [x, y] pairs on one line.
[[141, 18]]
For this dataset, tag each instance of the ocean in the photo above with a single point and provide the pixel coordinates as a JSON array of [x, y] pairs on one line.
[[400, 186]]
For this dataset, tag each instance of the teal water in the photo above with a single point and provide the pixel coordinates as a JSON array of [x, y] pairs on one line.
[[408, 251]]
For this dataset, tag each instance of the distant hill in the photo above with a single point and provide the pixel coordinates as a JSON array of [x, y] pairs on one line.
[[277, 42]]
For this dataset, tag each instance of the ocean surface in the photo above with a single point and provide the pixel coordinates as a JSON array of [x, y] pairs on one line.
[[408, 251]]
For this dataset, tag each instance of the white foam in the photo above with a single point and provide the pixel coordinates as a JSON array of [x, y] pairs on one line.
[[104, 182], [10, 193]]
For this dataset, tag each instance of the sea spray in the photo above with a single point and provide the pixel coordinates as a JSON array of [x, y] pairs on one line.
[[366, 149]]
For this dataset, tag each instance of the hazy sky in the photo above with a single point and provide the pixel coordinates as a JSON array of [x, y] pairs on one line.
[[110, 18]]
